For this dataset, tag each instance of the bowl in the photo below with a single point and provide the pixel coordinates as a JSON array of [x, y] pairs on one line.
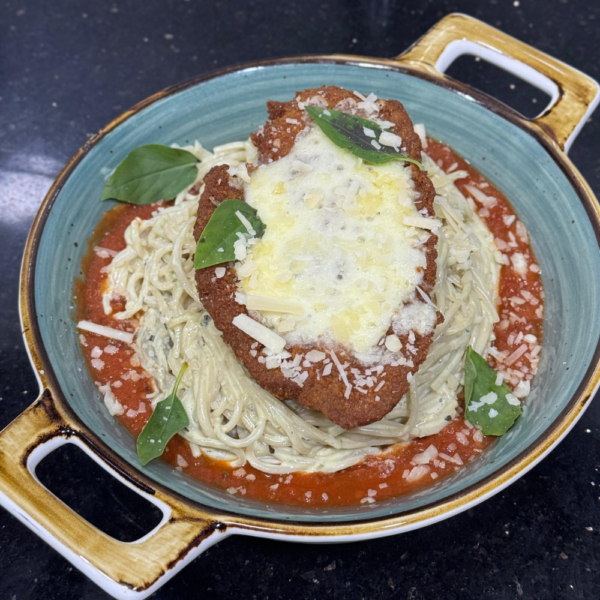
[[524, 158]]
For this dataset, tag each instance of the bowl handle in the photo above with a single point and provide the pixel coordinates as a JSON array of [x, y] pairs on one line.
[[574, 94], [125, 570]]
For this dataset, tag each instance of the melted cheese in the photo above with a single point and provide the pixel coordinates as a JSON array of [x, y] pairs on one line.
[[337, 243]]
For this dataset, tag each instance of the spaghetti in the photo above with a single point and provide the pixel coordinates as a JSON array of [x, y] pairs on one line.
[[231, 417]]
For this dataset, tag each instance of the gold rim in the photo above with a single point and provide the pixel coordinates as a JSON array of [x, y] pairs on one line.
[[382, 526]]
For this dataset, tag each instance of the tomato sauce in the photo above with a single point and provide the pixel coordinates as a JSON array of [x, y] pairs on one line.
[[389, 474]]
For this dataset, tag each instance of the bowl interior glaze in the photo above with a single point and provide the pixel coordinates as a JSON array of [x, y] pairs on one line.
[[228, 108]]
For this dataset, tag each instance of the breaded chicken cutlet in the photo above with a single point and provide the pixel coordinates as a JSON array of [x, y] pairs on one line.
[[363, 403]]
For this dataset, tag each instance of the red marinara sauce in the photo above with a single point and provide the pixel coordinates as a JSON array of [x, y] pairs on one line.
[[377, 478]]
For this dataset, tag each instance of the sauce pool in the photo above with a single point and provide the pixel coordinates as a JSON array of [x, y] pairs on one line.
[[389, 474]]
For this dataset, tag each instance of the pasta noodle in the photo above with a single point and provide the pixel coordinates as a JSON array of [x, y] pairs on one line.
[[231, 417]]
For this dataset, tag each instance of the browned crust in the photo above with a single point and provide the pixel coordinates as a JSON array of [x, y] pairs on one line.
[[325, 394]]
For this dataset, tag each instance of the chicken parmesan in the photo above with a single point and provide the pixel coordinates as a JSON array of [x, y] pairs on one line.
[[337, 311], [344, 270]]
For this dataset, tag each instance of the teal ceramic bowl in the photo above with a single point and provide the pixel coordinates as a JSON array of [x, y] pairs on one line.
[[229, 107], [522, 158]]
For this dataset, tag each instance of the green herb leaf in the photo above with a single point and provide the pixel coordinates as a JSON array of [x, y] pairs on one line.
[[215, 244], [169, 417], [151, 173], [497, 415], [348, 131]]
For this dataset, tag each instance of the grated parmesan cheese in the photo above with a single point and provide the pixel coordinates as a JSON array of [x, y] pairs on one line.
[[109, 332], [519, 263], [392, 343], [387, 138], [417, 472], [487, 201], [426, 456], [420, 131], [342, 372], [273, 305], [422, 222], [245, 221], [260, 333], [315, 356], [113, 406]]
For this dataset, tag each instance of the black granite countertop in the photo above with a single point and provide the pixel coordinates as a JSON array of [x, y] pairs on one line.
[[67, 67]]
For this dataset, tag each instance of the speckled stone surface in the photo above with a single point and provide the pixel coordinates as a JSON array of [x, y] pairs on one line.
[[68, 67]]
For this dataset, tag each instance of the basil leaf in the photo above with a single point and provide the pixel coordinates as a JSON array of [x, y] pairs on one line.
[[347, 131], [494, 416], [169, 417], [221, 232], [151, 173]]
